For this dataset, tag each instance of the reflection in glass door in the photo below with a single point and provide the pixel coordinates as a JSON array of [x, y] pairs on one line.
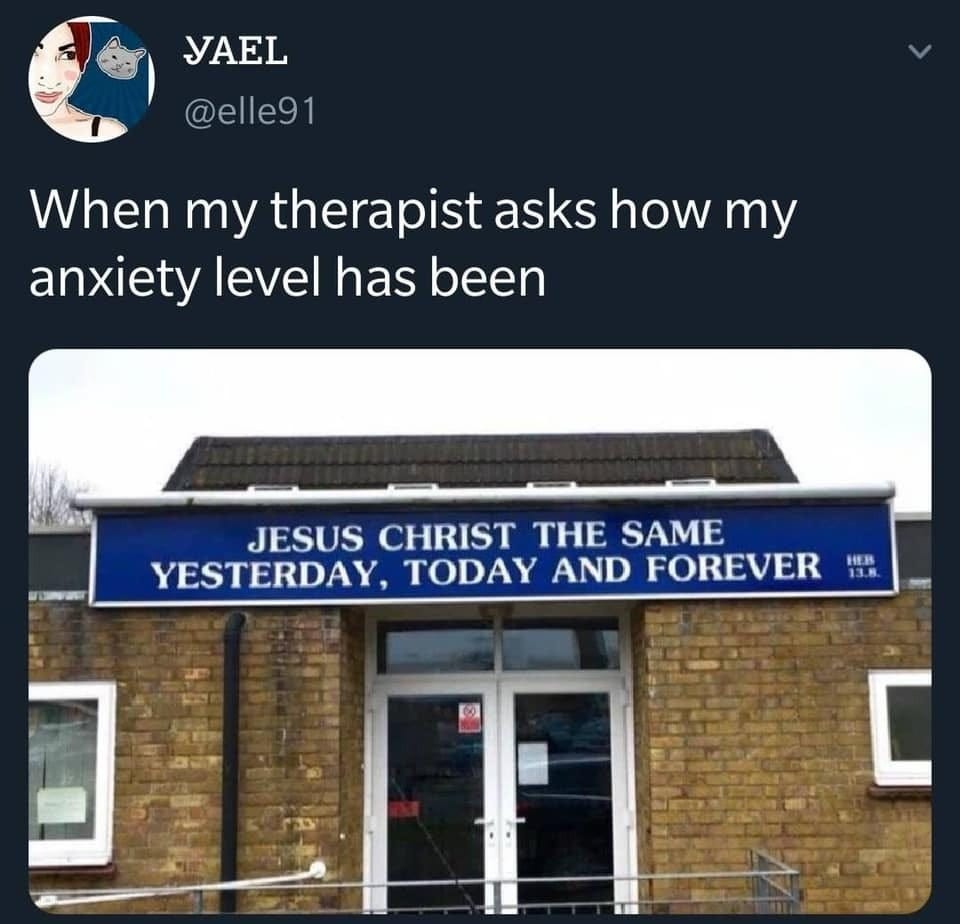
[[499, 760], [560, 800], [564, 798], [435, 801]]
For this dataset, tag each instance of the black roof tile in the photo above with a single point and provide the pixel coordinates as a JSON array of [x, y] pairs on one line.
[[232, 463]]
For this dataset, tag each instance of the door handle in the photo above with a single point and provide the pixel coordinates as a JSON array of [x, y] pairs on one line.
[[489, 824], [515, 821]]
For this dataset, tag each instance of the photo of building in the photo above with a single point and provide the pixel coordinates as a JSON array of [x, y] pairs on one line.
[[572, 672]]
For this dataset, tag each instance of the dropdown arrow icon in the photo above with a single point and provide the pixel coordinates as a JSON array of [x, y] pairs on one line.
[[921, 53]]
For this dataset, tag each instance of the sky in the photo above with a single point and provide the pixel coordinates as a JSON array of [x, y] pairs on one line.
[[118, 421]]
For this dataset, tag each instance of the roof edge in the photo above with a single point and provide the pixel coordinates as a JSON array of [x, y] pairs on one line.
[[441, 496], [40, 529], [464, 435]]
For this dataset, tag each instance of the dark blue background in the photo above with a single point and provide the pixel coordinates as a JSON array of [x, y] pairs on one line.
[[820, 101], [99, 94], [126, 544]]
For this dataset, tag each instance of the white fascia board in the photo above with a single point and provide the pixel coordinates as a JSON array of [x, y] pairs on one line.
[[445, 496]]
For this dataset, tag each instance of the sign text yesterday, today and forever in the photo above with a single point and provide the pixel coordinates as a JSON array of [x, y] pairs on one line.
[[325, 555]]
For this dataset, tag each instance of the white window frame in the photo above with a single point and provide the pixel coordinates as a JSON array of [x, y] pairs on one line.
[[886, 770], [96, 850]]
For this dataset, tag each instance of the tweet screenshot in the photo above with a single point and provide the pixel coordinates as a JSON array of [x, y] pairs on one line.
[[479, 455]]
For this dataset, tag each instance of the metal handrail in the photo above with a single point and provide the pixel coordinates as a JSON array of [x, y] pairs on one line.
[[787, 897], [296, 882], [47, 900]]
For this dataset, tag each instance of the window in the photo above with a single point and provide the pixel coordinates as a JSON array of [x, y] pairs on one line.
[[540, 643], [434, 647], [70, 730], [900, 725], [560, 644]]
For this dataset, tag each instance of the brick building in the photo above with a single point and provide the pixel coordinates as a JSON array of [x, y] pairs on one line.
[[533, 670]]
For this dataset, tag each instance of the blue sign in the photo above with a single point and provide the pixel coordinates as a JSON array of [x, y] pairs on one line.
[[320, 555]]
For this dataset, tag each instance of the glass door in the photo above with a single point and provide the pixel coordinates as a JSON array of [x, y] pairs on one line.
[[436, 799], [563, 800], [498, 764]]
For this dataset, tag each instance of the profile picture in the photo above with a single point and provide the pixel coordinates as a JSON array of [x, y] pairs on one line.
[[91, 79]]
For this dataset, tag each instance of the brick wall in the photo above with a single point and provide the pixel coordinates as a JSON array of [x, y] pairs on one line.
[[301, 718], [758, 722], [751, 720]]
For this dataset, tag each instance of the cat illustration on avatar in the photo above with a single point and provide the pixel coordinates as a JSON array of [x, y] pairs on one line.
[[118, 61], [55, 70], [57, 67]]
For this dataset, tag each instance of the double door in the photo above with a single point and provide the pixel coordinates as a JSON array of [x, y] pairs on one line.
[[500, 795]]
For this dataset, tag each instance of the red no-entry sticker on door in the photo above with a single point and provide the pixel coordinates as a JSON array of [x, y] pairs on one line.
[[468, 720]]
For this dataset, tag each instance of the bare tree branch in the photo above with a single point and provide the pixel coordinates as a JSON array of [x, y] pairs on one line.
[[49, 492]]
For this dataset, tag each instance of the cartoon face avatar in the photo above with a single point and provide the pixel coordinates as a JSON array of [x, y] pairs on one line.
[[119, 62], [56, 68], [57, 65]]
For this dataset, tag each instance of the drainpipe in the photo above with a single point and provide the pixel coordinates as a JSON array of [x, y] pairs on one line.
[[230, 767]]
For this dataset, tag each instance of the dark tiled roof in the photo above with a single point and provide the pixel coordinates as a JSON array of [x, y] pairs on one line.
[[224, 463]]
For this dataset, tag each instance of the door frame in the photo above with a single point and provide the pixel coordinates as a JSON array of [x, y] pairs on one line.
[[439, 686], [528, 682], [492, 683]]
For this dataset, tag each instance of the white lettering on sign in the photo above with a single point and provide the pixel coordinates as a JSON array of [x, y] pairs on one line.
[[474, 556], [634, 533], [303, 538], [735, 566], [576, 534], [445, 537], [263, 575], [468, 572], [602, 569]]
